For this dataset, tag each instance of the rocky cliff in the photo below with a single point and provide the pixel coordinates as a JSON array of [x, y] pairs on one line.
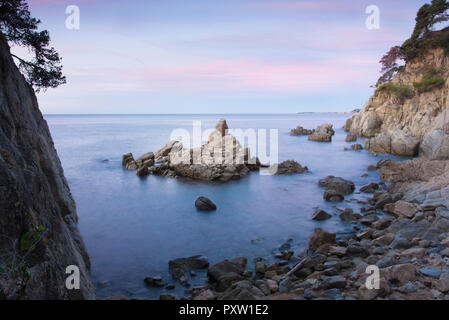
[[34, 195], [416, 122]]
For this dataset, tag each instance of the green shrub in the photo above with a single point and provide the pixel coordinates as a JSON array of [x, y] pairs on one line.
[[429, 81], [400, 91]]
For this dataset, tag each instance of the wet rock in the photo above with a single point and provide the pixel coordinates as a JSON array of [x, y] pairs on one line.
[[205, 204], [182, 266], [382, 200], [241, 290], [240, 260], [223, 274], [382, 223], [356, 146], [333, 196], [350, 137], [365, 234], [430, 271], [356, 250], [300, 131], [260, 268], [348, 215], [338, 184], [128, 162], [154, 282], [290, 167], [320, 237], [333, 282], [323, 133], [143, 171], [370, 188], [319, 215]]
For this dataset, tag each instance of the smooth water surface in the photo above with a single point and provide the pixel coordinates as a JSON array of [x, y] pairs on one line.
[[133, 226]]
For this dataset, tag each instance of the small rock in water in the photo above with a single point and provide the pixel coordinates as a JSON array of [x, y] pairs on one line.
[[356, 147], [205, 204], [319, 215], [153, 281]]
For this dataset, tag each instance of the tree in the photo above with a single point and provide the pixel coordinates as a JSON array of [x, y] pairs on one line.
[[428, 15], [19, 28]]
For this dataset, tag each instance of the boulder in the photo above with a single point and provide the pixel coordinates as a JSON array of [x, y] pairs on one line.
[[320, 237], [128, 162], [319, 215], [205, 204], [223, 274], [370, 188], [351, 137], [323, 133], [356, 146], [405, 209], [300, 131], [289, 167], [333, 196], [338, 184]]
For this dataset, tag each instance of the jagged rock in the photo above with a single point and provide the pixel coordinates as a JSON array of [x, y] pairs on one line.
[[435, 145], [319, 215], [323, 133], [290, 167], [128, 162], [34, 193], [300, 131], [356, 146], [205, 204]]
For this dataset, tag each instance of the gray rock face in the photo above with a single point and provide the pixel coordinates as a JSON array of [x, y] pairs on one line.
[[435, 145], [393, 142], [417, 123], [34, 192]]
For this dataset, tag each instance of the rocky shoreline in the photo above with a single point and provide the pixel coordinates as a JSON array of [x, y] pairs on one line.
[[402, 229]]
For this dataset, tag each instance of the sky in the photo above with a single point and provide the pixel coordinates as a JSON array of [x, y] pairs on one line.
[[219, 56]]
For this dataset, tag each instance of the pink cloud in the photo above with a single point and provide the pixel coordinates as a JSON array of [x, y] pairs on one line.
[[239, 75]]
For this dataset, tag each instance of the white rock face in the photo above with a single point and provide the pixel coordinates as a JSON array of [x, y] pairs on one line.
[[416, 125]]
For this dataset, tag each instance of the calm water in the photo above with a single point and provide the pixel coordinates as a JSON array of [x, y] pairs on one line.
[[132, 227]]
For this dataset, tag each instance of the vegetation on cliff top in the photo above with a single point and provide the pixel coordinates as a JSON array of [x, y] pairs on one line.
[[19, 28], [422, 37]]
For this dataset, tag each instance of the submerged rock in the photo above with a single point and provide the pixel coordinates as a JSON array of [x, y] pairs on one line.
[[205, 204]]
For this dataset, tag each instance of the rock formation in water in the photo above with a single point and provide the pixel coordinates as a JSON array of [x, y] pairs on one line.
[[222, 158], [323, 133], [39, 236], [412, 117]]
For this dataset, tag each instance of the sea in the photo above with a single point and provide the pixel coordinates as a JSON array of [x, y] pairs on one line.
[[133, 226]]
